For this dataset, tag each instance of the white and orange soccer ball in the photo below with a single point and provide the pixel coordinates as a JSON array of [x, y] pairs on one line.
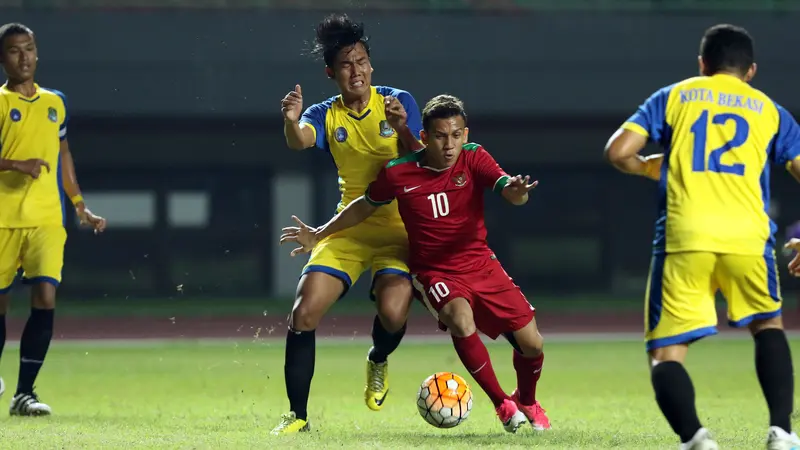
[[444, 400]]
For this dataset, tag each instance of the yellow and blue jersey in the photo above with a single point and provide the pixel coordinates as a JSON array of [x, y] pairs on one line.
[[32, 128], [360, 142], [720, 136]]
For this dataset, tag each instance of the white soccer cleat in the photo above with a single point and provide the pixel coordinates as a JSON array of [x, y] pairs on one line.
[[778, 439], [2, 387], [28, 405], [701, 441]]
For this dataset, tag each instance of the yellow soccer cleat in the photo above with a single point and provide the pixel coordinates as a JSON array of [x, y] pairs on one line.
[[291, 424], [377, 384]]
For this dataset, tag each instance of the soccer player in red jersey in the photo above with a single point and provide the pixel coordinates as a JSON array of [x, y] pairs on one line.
[[439, 191]]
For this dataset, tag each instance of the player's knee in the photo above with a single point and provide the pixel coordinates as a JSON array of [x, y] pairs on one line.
[[457, 315], [760, 325], [393, 308], [675, 353], [306, 314], [533, 347], [392, 318], [528, 341], [43, 296]]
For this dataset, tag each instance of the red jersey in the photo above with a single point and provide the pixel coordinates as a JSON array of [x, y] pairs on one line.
[[442, 209]]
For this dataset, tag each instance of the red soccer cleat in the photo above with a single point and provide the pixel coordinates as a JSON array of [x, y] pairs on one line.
[[535, 413]]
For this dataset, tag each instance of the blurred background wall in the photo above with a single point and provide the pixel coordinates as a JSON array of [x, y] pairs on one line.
[[177, 133]]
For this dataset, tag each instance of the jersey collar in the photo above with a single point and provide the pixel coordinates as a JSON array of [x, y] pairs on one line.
[[373, 94], [22, 97]]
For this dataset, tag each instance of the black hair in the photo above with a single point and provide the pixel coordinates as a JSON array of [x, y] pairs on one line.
[[727, 48], [442, 106], [12, 29], [335, 32]]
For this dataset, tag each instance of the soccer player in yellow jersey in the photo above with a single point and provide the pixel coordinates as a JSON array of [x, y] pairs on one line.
[[720, 137], [36, 174], [361, 128]]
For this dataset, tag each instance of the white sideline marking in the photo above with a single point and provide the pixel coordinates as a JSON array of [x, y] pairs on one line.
[[322, 341]]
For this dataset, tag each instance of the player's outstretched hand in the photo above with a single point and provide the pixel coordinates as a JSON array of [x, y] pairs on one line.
[[87, 218], [521, 185], [292, 104], [395, 112], [32, 167], [301, 234], [794, 264]]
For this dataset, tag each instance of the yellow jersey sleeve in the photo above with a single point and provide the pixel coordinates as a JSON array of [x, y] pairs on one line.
[[650, 119], [314, 117]]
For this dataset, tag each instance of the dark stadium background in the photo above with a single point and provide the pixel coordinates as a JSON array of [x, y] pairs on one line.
[[176, 131]]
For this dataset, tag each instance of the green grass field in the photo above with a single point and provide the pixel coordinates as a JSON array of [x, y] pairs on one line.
[[229, 395]]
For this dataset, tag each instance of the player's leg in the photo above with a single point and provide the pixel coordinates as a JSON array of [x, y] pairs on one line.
[[501, 308], [446, 300], [392, 293], [10, 250], [751, 287], [325, 279], [679, 310], [42, 262], [5, 298], [528, 359]]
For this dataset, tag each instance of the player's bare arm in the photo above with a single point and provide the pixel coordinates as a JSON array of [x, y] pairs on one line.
[[32, 167], [398, 118], [308, 237], [73, 190], [622, 151], [794, 168], [517, 188], [298, 137]]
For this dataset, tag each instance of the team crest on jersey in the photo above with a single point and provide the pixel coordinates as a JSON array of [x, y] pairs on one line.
[[386, 129], [15, 115], [52, 114], [460, 179], [340, 134]]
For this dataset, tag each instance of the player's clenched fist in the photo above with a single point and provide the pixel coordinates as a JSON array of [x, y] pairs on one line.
[[32, 167], [302, 234], [292, 105], [395, 112], [794, 264]]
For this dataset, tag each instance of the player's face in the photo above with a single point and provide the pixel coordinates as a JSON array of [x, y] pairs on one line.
[[19, 57], [444, 140], [353, 71]]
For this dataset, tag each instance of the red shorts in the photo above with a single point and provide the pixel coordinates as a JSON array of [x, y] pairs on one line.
[[498, 305]]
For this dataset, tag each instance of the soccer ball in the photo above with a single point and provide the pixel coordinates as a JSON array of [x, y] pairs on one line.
[[444, 400]]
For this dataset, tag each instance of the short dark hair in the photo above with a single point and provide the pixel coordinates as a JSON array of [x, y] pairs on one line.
[[335, 32], [442, 106], [12, 29], [727, 47]]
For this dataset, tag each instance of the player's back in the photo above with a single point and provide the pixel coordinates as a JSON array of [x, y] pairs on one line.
[[31, 128], [719, 137]]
